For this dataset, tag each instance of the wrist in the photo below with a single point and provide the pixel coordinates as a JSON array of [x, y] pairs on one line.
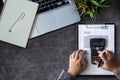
[[72, 73], [115, 69]]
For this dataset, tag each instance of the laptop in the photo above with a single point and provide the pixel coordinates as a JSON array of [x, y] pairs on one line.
[[53, 15]]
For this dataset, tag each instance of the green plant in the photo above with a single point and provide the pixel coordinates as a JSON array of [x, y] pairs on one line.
[[90, 7]]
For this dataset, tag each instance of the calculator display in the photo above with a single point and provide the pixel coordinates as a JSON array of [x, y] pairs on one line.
[[98, 43]]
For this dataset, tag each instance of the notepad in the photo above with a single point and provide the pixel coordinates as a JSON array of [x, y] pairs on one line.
[[89, 31], [16, 21]]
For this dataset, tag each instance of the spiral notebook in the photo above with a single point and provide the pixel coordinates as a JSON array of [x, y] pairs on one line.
[[16, 21], [88, 31]]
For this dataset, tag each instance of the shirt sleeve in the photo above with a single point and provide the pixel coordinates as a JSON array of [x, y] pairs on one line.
[[117, 74], [65, 76]]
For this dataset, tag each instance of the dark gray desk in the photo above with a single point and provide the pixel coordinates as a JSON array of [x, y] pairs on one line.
[[47, 55]]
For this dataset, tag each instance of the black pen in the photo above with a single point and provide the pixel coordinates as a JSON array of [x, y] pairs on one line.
[[101, 62]]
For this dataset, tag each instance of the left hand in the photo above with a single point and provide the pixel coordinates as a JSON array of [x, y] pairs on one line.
[[77, 62]]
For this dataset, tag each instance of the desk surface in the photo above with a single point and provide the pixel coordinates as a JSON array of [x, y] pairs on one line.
[[47, 55]]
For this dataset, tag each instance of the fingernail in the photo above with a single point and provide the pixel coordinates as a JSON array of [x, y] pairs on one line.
[[84, 50], [80, 50], [98, 51]]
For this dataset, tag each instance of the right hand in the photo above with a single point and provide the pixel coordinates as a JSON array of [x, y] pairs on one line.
[[110, 61]]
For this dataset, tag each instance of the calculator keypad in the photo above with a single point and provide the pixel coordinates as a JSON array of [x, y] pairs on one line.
[[94, 55], [96, 58]]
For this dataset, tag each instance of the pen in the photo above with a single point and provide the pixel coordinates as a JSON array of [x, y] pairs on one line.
[[101, 62], [19, 19]]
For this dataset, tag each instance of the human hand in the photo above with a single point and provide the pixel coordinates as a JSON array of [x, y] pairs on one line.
[[77, 62], [110, 61]]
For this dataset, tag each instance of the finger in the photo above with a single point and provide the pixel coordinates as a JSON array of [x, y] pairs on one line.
[[105, 52], [70, 57], [102, 56], [82, 60], [80, 51], [110, 53], [84, 51], [81, 56], [73, 54], [77, 54], [84, 63], [96, 62], [100, 52]]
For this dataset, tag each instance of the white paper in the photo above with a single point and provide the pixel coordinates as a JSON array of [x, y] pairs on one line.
[[88, 31]]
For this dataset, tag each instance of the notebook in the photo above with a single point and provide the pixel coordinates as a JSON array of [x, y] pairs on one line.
[[89, 31], [16, 21]]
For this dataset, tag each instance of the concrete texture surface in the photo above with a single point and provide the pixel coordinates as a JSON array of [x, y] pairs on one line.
[[46, 55]]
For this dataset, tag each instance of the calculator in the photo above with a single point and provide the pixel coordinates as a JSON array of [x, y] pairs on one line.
[[96, 44]]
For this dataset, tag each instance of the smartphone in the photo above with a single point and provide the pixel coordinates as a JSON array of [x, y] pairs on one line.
[[96, 44]]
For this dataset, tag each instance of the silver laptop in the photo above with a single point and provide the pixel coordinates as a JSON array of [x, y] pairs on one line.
[[53, 15]]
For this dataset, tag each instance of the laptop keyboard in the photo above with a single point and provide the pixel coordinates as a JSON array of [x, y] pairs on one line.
[[45, 5]]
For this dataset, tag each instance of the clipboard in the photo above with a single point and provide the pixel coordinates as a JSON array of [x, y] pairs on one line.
[[88, 31]]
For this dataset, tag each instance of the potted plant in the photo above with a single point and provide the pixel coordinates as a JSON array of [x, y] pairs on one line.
[[90, 7]]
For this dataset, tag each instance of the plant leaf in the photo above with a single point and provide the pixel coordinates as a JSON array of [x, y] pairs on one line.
[[96, 3], [91, 14], [102, 1], [90, 7]]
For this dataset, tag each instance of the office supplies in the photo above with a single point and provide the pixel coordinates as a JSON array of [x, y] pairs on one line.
[[16, 21], [96, 44], [19, 19], [55, 17], [90, 31]]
